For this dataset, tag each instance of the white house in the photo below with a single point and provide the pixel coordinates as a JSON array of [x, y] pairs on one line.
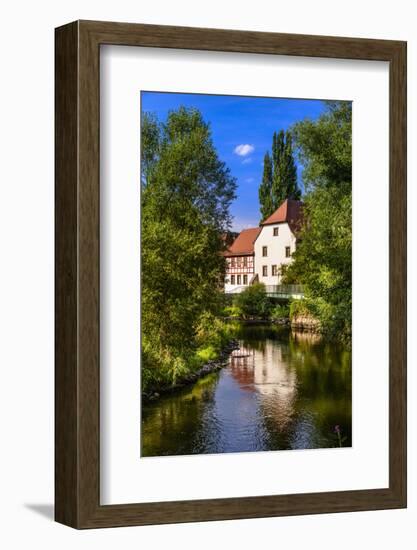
[[269, 247]]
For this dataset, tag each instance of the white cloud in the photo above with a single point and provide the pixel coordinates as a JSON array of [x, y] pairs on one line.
[[240, 223], [244, 149]]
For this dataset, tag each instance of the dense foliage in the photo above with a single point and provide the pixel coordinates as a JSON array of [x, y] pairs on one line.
[[186, 194], [253, 302], [323, 258], [279, 180], [280, 311]]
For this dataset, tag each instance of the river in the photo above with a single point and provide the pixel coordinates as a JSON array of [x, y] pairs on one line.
[[280, 390]]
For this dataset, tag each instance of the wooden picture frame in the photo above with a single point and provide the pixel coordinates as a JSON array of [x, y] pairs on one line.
[[77, 382]]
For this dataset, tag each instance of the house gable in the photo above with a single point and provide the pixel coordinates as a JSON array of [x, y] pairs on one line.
[[290, 212]]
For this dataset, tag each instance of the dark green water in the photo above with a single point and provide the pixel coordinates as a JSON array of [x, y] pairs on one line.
[[280, 390]]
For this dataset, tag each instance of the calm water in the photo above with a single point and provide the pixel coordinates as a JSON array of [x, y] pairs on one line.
[[280, 390]]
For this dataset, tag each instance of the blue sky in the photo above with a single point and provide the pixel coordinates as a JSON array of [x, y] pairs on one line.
[[242, 129]]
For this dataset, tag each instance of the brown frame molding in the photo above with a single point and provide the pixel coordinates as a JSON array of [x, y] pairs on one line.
[[77, 274]]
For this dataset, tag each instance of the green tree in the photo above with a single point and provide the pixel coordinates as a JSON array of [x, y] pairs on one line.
[[279, 187], [290, 169], [265, 189], [186, 193], [322, 261], [150, 136], [279, 180]]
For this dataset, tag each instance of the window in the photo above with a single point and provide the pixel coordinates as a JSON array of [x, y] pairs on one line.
[[245, 279], [265, 271], [232, 279], [238, 279], [233, 262], [274, 270], [264, 251], [276, 231], [245, 262], [287, 252]]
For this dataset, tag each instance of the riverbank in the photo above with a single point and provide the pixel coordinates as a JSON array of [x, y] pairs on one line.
[[258, 320], [302, 323], [209, 367], [253, 305]]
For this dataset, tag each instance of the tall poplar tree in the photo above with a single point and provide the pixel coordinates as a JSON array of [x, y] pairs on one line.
[[290, 170], [265, 189], [279, 181], [278, 175]]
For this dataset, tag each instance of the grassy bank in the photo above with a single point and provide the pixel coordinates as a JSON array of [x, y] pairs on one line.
[[163, 368]]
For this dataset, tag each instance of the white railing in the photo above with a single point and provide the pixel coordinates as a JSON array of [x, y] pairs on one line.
[[290, 291], [274, 291], [236, 290]]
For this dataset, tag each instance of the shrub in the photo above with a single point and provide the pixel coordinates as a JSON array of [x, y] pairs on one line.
[[253, 301], [233, 312], [280, 311], [299, 307], [206, 354], [160, 366], [303, 314], [211, 331]]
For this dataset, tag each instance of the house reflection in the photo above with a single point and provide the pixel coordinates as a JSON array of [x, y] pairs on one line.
[[267, 373], [242, 365]]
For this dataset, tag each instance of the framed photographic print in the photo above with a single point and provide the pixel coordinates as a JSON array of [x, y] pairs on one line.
[[230, 274]]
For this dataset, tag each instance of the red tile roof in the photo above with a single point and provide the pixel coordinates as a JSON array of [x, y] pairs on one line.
[[243, 244], [290, 211]]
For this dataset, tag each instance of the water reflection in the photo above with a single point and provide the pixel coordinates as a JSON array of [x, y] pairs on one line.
[[281, 390]]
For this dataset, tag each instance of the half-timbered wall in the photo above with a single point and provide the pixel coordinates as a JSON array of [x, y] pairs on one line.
[[239, 271], [240, 264]]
